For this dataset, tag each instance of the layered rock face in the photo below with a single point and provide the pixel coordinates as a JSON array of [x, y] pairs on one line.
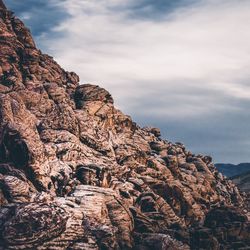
[[76, 173]]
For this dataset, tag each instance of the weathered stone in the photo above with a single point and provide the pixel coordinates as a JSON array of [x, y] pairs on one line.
[[76, 173], [91, 93], [26, 226], [155, 131]]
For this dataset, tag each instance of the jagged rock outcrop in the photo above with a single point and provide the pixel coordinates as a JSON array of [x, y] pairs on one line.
[[76, 173]]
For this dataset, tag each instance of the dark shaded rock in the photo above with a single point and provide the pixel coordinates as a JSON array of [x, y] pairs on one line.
[[218, 217], [158, 145], [29, 225], [93, 93], [155, 131], [203, 239], [14, 148], [158, 242], [224, 228]]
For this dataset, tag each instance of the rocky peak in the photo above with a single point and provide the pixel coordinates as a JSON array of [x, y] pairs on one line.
[[97, 179]]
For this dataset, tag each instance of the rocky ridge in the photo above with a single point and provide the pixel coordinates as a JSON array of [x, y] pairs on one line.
[[76, 173]]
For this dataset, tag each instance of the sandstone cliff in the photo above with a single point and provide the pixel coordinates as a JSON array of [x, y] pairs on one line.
[[76, 173]]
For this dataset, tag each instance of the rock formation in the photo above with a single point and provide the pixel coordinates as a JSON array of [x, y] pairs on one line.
[[76, 173]]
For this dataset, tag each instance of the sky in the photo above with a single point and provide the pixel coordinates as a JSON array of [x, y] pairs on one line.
[[180, 65]]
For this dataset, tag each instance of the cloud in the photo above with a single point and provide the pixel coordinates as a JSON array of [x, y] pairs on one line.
[[40, 16], [181, 65]]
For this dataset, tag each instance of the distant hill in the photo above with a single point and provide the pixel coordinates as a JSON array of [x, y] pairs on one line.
[[231, 170], [242, 181]]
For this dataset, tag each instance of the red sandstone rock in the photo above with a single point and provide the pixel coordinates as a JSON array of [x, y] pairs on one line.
[[76, 173]]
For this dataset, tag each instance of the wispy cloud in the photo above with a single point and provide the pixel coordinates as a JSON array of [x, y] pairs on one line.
[[39, 15], [183, 62]]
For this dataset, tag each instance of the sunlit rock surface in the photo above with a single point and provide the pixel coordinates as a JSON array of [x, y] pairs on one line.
[[76, 173]]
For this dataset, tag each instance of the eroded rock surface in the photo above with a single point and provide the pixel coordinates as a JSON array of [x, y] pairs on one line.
[[76, 173]]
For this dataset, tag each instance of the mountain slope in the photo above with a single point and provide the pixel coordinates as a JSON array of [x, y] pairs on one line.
[[242, 181], [76, 173], [231, 170]]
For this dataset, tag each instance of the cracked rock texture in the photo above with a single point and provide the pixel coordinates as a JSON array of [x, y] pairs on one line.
[[76, 173]]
